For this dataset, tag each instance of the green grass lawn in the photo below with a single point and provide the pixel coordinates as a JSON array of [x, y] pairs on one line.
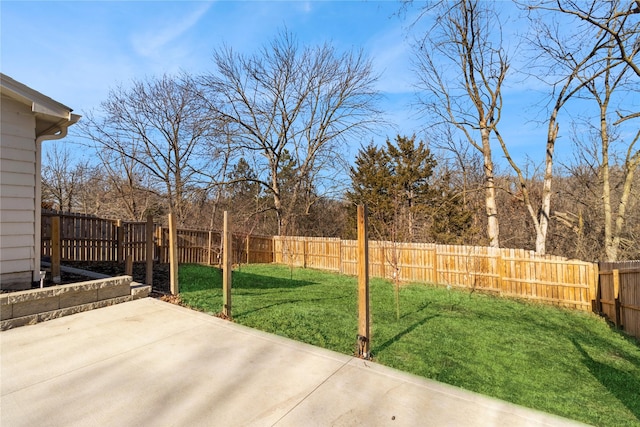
[[559, 361]]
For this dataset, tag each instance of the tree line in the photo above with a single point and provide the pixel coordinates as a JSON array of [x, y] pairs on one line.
[[266, 136]]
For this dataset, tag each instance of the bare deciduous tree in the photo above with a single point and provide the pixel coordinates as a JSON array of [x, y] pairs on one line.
[[591, 59], [160, 124], [129, 183], [63, 177], [614, 218], [463, 39], [291, 109], [617, 21], [611, 153]]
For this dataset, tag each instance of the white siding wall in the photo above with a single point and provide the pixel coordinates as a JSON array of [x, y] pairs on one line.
[[18, 164]]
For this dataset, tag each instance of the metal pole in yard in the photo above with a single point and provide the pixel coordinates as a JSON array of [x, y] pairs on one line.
[[363, 338]]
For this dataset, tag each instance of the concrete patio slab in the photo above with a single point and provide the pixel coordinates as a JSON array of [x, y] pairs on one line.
[[151, 363]]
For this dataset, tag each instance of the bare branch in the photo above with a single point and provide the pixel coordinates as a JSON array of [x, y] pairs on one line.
[[291, 110]]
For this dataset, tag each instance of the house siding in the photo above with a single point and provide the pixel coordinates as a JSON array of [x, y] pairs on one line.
[[18, 180]]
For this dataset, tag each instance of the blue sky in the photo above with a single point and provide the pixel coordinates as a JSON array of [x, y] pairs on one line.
[[76, 51]]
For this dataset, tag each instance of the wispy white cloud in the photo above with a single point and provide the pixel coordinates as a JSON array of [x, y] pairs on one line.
[[153, 41], [305, 6]]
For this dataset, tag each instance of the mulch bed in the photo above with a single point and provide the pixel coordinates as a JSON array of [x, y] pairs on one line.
[[160, 273]]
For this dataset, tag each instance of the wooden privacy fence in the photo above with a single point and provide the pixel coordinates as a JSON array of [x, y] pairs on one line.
[[205, 247], [89, 238], [508, 272], [618, 295], [611, 289], [82, 237]]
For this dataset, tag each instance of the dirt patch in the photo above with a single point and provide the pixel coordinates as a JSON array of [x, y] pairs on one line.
[[161, 273], [173, 299]]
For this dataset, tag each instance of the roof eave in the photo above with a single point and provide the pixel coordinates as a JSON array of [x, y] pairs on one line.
[[39, 103], [54, 117]]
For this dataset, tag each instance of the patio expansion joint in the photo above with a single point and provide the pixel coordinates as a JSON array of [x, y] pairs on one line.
[[312, 392]]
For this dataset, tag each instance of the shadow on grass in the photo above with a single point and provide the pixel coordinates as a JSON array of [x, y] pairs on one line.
[[400, 335], [201, 278], [243, 280], [618, 382], [289, 301]]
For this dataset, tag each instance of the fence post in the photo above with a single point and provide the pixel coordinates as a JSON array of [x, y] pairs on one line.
[[435, 264], [150, 247], [120, 241], [594, 288], [209, 247], [173, 255], [598, 289], [248, 246], [501, 271], [55, 249], [227, 260], [274, 250], [616, 296], [160, 244], [383, 259], [304, 252], [128, 265], [363, 338]]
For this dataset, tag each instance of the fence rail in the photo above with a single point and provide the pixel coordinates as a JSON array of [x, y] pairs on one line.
[[89, 238], [508, 272]]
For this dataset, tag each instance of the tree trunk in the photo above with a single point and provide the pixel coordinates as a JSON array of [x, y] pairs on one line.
[[493, 229], [611, 251], [277, 200], [545, 207]]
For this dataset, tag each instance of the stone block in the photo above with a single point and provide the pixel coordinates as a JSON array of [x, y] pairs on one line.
[[78, 297], [139, 290], [113, 301], [34, 294], [114, 290], [43, 317], [18, 321], [6, 310], [84, 286], [35, 306], [94, 305]]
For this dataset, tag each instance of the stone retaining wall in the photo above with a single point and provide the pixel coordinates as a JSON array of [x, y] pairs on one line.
[[37, 305]]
